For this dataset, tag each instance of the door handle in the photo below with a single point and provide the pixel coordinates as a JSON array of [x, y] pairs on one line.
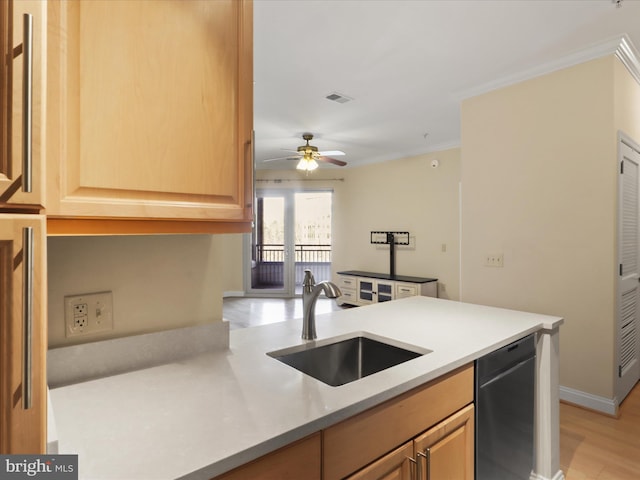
[[27, 316]]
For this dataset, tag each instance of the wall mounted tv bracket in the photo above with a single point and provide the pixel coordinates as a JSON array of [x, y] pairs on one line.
[[392, 239]]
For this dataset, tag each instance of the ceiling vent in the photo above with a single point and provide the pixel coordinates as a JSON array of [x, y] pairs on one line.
[[338, 97]]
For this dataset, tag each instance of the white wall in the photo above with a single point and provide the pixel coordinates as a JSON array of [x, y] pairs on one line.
[[539, 175], [402, 195], [158, 282], [231, 246]]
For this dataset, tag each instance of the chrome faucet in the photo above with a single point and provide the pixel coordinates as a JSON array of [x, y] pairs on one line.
[[310, 294]]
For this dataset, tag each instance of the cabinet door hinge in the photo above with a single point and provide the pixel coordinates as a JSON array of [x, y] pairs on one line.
[[620, 268], [619, 371], [621, 167]]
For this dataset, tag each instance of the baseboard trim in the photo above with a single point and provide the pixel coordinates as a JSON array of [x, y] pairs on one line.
[[558, 476], [608, 406], [233, 293]]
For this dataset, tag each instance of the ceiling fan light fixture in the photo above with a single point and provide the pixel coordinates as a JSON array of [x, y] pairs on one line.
[[307, 163]]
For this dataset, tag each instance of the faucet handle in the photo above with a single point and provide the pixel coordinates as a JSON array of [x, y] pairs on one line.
[[308, 278]]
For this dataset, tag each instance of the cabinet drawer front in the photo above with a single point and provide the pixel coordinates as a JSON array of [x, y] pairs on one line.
[[345, 282], [407, 290], [393, 465], [362, 439], [293, 462], [348, 296]]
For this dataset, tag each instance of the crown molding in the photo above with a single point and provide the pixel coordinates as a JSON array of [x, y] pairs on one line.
[[620, 45], [629, 56]]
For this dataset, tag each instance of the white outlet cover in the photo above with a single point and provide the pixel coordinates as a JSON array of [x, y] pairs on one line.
[[99, 315]]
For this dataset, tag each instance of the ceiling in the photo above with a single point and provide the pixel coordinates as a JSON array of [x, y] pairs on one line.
[[407, 64]]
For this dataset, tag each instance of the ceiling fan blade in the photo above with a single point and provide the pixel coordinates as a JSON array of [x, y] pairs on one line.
[[332, 153], [340, 163], [289, 157]]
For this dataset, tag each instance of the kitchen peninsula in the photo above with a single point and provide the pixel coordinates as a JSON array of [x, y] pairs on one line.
[[207, 414]]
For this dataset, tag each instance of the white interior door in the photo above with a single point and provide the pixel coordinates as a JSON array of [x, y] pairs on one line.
[[628, 346]]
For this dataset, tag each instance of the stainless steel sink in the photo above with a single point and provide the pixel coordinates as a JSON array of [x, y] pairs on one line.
[[342, 360]]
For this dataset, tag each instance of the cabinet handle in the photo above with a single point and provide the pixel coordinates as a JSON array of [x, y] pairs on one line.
[[413, 466], [27, 101], [27, 315], [427, 458], [250, 169]]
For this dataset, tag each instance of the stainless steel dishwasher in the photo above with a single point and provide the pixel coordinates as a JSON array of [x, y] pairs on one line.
[[505, 382]]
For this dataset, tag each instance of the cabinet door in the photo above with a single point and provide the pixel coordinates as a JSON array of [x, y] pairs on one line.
[[366, 291], [384, 291], [374, 291], [150, 109], [445, 452], [396, 465], [21, 102], [22, 334]]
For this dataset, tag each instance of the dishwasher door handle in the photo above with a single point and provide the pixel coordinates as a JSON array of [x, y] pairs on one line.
[[505, 373]]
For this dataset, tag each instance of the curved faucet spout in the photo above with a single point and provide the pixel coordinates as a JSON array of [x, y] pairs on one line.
[[310, 293]]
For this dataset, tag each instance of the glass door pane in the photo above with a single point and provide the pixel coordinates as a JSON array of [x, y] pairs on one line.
[[312, 220], [270, 247], [292, 232]]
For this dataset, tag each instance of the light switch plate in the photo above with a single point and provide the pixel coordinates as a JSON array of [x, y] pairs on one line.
[[494, 260]]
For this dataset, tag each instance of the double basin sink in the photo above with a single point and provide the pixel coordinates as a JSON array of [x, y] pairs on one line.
[[341, 360]]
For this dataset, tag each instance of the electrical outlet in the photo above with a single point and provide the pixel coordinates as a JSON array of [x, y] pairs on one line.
[[494, 260], [88, 313], [80, 315]]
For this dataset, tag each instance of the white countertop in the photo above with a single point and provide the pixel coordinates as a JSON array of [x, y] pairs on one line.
[[204, 415]]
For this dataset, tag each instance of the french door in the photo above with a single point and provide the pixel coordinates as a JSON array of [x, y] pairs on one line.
[[292, 232], [270, 270]]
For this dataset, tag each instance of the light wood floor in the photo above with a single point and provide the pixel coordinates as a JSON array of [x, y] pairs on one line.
[[592, 446]]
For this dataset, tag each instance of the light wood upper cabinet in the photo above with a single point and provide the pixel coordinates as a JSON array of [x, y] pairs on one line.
[[22, 425], [150, 110], [14, 110]]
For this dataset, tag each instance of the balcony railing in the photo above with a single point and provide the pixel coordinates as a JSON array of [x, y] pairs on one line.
[[268, 270]]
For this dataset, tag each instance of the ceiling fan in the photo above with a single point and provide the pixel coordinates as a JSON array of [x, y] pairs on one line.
[[309, 156]]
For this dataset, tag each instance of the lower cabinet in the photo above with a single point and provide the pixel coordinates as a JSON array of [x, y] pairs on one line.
[[426, 433], [300, 460], [442, 452], [446, 451], [363, 290]]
